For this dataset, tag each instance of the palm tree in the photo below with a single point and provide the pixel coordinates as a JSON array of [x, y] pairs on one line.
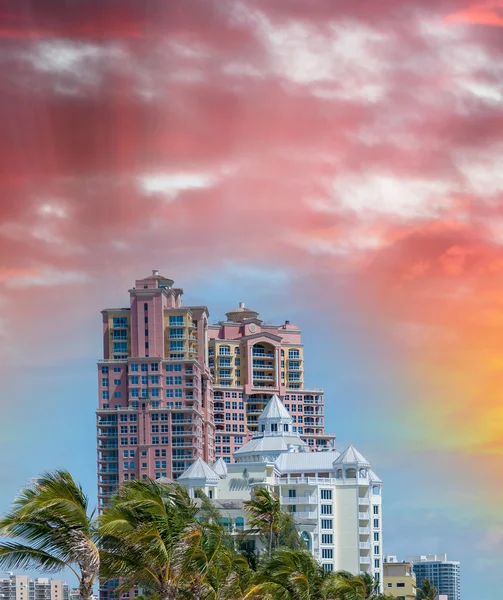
[[427, 591], [291, 575], [267, 517], [148, 536], [371, 585], [215, 570], [346, 586], [49, 528]]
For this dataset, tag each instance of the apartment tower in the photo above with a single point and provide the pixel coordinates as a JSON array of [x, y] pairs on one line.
[[173, 388]]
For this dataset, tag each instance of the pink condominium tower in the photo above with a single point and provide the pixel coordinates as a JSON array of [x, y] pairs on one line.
[[173, 388]]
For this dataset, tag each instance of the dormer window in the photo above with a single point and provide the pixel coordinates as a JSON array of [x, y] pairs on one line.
[[285, 427], [274, 427]]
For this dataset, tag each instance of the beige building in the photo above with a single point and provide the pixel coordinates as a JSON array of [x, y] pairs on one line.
[[21, 587], [399, 579]]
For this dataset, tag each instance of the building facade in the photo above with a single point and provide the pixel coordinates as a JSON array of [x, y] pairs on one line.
[[173, 388], [21, 587], [335, 498], [399, 579], [445, 574]]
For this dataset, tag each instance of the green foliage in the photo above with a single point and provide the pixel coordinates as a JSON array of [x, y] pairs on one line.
[[48, 528], [427, 591]]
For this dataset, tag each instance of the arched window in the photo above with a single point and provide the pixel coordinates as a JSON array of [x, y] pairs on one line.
[[236, 350], [307, 539], [240, 523], [351, 473], [338, 474], [363, 472], [226, 523], [376, 490]]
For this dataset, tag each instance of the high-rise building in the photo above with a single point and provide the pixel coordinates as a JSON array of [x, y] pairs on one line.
[[21, 587], [335, 498], [443, 573], [173, 388]]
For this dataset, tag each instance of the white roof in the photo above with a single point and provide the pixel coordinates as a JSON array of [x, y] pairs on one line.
[[351, 456], [270, 443], [306, 462], [274, 410], [374, 477], [220, 468], [200, 470]]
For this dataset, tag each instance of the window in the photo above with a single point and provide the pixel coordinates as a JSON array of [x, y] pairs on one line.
[[237, 361], [376, 510], [145, 306], [377, 563], [176, 320], [178, 380], [154, 366], [327, 538], [144, 393], [104, 370], [105, 395], [376, 536], [154, 379], [178, 393], [328, 567], [144, 368], [327, 524], [224, 351], [326, 494], [292, 493], [169, 380], [120, 346], [144, 379], [117, 394], [327, 553], [155, 392], [400, 584], [376, 523], [376, 550], [326, 509], [133, 441], [104, 382], [134, 393], [134, 379], [155, 440], [293, 354]]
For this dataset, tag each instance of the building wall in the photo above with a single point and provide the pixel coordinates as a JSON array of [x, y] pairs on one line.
[[400, 580]]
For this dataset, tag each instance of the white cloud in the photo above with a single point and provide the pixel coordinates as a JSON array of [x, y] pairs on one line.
[[76, 66], [52, 210], [383, 194], [345, 57], [482, 169], [45, 277], [170, 185]]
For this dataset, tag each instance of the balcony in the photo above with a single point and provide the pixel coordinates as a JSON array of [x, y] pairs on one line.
[[304, 515], [263, 354], [363, 516], [364, 545], [180, 421], [218, 420], [300, 500], [363, 500], [108, 445], [263, 377], [262, 367], [365, 560], [177, 336], [109, 470], [363, 530], [183, 445]]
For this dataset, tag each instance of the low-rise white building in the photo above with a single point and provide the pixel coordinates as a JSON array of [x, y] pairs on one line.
[[335, 498]]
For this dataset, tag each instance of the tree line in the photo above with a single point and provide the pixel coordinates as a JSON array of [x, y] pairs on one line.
[[154, 538]]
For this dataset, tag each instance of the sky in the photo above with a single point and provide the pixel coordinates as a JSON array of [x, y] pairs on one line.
[[335, 164]]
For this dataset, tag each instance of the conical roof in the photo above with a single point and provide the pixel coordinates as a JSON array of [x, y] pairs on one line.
[[220, 468], [374, 478], [200, 470], [351, 456], [275, 410]]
